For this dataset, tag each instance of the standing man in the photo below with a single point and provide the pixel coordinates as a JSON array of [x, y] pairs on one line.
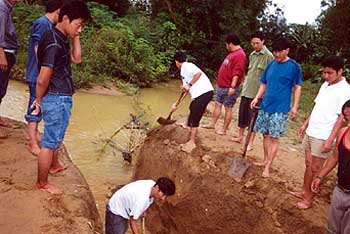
[[54, 88], [229, 79], [40, 26], [8, 48], [130, 202], [194, 81], [339, 210], [281, 77], [258, 61], [323, 125]]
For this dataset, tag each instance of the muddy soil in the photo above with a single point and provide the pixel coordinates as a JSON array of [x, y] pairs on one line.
[[25, 209], [208, 200]]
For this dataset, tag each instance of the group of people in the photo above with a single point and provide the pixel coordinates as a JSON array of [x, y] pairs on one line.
[[268, 85]]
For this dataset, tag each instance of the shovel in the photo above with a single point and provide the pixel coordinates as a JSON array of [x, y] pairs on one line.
[[168, 120], [239, 165]]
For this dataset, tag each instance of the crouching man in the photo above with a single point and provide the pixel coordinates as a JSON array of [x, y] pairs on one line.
[[131, 201]]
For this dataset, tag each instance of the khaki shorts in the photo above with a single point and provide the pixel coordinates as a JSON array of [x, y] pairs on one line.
[[314, 145]]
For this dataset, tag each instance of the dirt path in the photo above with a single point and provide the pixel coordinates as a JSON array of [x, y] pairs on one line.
[[24, 209]]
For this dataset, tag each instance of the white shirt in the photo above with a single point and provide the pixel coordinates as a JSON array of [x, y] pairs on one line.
[[201, 86], [132, 199], [328, 105]]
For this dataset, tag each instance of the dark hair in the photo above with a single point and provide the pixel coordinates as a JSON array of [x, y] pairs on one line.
[[258, 34], [75, 9], [232, 38], [180, 57], [166, 185], [52, 5], [281, 44], [334, 62], [346, 104]]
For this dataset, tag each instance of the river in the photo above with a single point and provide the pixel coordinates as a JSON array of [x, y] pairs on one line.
[[94, 119]]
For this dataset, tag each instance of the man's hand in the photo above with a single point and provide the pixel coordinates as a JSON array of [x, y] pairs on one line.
[[315, 185], [3, 62], [293, 113], [302, 130], [36, 108], [327, 146], [174, 107], [231, 91], [254, 103], [185, 87]]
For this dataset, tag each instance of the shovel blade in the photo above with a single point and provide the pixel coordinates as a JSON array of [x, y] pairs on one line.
[[238, 167], [164, 121]]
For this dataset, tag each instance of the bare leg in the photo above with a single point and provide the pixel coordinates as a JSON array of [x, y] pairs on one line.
[[308, 172], [44, 163], [55, 165], [191, 144], [239, 139], [33, 147], [316, 165], [272, 151], [266, 143], [227, 121], [251, 139], [216, 115]]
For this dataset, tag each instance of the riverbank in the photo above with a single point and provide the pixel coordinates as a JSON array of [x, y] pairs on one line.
[[25, 209]]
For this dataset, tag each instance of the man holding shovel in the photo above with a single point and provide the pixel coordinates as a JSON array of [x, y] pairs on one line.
[[198, 85]]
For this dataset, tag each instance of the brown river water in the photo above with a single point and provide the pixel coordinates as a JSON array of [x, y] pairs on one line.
[[95, 118]]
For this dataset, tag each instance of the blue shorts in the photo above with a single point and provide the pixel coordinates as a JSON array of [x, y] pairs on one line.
[[226, 100], [56, 111], [32, 97], [272, 124]]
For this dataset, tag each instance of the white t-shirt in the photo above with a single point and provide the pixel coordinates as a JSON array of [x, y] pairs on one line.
[[132, 199], [328, 104], [201, 86]]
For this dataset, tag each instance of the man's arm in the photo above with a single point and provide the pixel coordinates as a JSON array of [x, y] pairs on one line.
[[297, 94], [193, 81], [303, 127], [43, 82], [3, 60], [231, 90], [327, 145], [76, 50], [133, 225]]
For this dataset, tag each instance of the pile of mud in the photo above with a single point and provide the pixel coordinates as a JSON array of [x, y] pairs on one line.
[[25, 209], [208, 200]]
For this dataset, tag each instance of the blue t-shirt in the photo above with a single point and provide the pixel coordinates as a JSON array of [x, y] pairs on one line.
[[40, 26], [280, 78]]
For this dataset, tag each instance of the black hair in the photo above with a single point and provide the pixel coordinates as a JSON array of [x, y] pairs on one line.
[[232, 38], [52, 5], [281, 44], [334, 62], [258, 34], [346, 104], [180, 57], [75, 9], [166, 185]]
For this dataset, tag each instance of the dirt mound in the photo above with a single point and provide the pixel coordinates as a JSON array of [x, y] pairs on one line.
[[25, 209], [208, 200]]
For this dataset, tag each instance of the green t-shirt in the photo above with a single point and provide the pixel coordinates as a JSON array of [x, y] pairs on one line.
[[257, 65]]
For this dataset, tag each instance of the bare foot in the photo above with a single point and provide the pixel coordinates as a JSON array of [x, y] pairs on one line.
[[4, 123], [188, 147], [34, 149], [266, 173], [297, 194], [259, 164], [220, 132], [50, 188], [208, 126], [237, 140], [54, 170], [304, 205], [249, 148]]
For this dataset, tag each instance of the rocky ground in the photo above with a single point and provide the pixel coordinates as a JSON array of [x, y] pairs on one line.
[[27, 210], [209, 200]]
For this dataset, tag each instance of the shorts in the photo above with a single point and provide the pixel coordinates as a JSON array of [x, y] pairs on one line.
[[272, 124], [56, 111], [226, 100], [32, 96], [245, 112], [197, 108], [314, 146], [115, 224]]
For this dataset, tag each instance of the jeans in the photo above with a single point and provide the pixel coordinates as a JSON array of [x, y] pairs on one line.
[[56, 111]]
